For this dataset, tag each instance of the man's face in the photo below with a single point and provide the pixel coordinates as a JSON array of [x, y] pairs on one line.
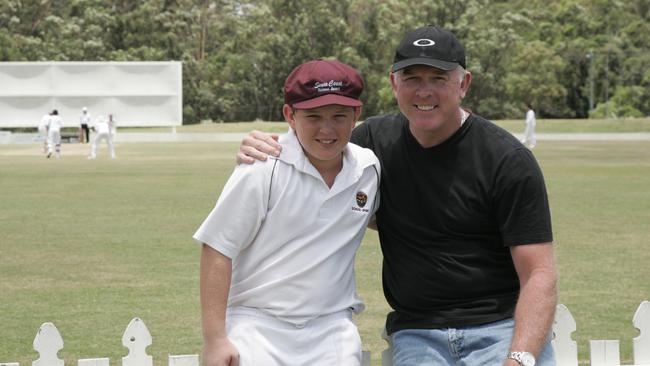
[[430, 99], [323, 132]]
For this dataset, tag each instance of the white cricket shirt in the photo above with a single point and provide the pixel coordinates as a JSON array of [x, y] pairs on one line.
[[292, 239], [55, 123], [102, 127], [84, 118]]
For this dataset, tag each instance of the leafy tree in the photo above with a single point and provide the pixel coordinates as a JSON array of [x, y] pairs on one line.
[[237, 53]]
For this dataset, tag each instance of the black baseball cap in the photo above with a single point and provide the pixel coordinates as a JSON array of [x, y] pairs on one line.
[[431, 46]]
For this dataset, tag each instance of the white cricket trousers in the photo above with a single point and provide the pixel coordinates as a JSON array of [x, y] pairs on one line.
[[529, 135], [264, 340], [109, 141], [54, 143]]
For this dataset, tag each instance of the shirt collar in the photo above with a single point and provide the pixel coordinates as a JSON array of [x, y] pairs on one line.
[[293, 154]]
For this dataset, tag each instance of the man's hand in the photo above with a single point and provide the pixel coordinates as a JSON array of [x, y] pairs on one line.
[[220, 352], [258, 146]]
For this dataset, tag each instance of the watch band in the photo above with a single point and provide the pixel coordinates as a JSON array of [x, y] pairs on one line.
[[523, 358]]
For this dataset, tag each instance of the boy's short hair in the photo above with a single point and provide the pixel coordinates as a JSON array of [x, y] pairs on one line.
[[323, 82]]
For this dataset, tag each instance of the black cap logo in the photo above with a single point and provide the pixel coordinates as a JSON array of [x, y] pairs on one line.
[[429, 46], [362, 198], [424, 42]]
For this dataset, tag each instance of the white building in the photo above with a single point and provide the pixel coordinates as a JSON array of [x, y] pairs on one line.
[[136, 93]]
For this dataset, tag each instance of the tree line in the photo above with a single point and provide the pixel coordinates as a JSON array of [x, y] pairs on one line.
[[568, 58]]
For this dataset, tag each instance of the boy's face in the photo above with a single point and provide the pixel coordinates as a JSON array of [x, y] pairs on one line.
[[323, 132]]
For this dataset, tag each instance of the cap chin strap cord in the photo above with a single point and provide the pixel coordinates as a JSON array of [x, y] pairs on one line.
[[271, 183]]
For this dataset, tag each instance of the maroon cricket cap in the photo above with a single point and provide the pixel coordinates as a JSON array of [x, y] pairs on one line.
[[323, 82]]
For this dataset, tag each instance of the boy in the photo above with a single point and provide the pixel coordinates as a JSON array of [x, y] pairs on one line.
[[278, 248]]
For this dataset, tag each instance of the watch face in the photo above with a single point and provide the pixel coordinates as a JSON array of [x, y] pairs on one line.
[[527, 359]]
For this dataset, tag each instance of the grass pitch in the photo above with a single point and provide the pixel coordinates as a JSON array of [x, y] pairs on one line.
[[88, 245]]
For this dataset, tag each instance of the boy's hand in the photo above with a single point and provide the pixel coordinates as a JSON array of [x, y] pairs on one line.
[[258, 146], [220, 352]]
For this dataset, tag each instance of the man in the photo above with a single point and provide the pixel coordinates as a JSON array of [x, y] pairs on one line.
[[279, 246], [54, 124], [529, 134], [43, 130], [84, 120], [104, 130], [464, 223]]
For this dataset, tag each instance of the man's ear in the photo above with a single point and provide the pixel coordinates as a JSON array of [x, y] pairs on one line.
[[464, 84], [393, 83], [287, 111]]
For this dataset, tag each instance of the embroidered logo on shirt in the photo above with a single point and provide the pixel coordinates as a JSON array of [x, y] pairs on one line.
[[362, 198]]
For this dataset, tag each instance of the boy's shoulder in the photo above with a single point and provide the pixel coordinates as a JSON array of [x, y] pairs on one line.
[[364, 156], [259, 172]]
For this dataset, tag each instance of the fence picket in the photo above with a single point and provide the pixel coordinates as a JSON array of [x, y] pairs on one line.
[[137, 338], [48, 343], [93, 362], [365, 358], [387, 354], [604, 353], [641, 344], [566, 349], [184, 360]]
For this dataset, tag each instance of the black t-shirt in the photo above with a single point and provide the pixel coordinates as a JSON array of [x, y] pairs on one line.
[[447, 218]]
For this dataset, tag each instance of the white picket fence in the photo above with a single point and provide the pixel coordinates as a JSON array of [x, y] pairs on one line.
[[601, 352], [136, 338]]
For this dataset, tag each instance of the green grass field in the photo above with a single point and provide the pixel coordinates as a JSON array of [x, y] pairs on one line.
[[515, 126], [88, 245]]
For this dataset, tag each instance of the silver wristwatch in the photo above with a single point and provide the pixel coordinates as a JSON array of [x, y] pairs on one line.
[[524, 358]]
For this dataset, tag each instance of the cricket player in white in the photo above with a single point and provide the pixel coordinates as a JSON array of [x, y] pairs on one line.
[[277, 264], [54, 125], [529, 134], [84, 123], [43, 129], [104, 130]]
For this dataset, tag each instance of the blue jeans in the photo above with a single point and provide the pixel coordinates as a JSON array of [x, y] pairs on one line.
[[477, 345]]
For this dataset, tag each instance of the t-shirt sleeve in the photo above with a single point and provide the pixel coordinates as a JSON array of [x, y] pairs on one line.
[[521, 201], [239, 212], [361, 135]]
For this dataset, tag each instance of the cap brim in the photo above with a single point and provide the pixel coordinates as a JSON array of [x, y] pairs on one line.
[[438, 64], [327, 99]]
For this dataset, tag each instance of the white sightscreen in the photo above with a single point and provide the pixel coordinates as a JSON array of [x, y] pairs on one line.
[[136, 93]]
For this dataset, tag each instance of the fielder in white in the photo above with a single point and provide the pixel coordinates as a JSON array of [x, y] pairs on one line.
[[54, 125], [104, 130], [529, 135], [43, 129], [277, 262]]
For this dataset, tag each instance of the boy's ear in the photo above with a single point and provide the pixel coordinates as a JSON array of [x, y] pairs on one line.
[[357, 113], [287, 111]]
